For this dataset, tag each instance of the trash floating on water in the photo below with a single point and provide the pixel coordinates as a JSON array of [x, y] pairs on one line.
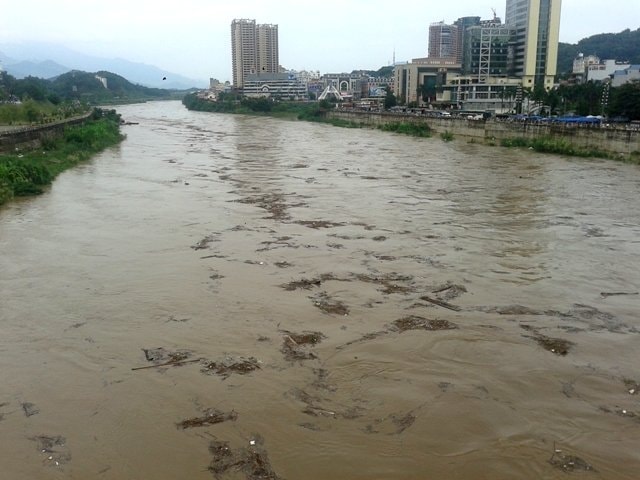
[[211, 417], [294, 345], [229, 366], [251, 461], [569, 463], [414, 322]]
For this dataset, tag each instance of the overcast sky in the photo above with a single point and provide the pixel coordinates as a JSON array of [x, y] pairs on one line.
[[192, 37]]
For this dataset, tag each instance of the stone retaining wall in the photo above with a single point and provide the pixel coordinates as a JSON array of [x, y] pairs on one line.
[[31, 137], [617, 141]]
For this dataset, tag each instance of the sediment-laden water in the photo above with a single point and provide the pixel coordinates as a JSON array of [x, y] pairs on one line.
[[234, 297]]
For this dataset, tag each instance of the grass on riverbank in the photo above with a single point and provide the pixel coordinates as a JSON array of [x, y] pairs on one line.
[[23, 174], [554, 145], [307, 111], [31, 112], [413, 129]]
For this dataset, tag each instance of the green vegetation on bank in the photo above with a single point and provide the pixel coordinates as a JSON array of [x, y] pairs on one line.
[[406, 128], [310, 112], [30, 112], [554, 145], [23, 174]]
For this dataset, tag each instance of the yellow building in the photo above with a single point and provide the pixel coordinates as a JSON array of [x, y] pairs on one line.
[[537, 25]]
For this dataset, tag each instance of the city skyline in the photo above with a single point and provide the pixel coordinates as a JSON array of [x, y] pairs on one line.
[[194, 39]]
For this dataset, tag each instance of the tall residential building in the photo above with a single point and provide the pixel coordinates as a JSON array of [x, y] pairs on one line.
[[537, 26], [267, 42], [443, 41], [254, 49]]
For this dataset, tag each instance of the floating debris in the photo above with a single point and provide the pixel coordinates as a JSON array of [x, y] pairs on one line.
[[252, 461], [54, 449], [302, 284], [392, 282], [229, 366], [283, 264], [317, 224], [273, 203], [393, 424], [211, 417], [205, 242], [569, 463], [440, 303], [558, 346], [328, 305], [449, 291], [414, 322], [614, 294], [294, 345], [632, 386], [164, 358], [29, 409]]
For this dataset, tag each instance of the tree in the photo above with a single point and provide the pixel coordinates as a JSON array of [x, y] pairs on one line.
[[625, 101], [389, 100]]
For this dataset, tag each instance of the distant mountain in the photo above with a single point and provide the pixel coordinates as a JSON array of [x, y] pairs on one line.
[[101, 86], [28, 58], [94, 88], [46, 69], [616, 46]]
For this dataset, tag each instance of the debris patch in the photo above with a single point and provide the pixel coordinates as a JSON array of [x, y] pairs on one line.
[[329, 305], [210, 417], [295, 345], [414, 322], [229, 366], [252, 461], [569, 463]]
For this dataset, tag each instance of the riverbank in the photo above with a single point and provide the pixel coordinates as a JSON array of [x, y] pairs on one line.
[[573, 140], [27, 172]]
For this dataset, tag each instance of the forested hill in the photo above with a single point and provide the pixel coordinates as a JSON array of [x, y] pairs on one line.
[[94, 88], [623, 46]]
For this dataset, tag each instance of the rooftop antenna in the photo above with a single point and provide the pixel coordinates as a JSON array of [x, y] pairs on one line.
[[495, 15]]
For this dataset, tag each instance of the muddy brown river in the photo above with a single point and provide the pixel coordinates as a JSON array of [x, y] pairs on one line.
[[250, 298]]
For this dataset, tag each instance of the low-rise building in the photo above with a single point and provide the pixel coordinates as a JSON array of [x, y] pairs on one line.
[[424, 77], [603, 70], [351, 86], [629, 74], [496, 94], [281, 86]]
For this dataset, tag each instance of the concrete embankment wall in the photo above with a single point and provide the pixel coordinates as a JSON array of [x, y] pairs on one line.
[[617, 141], [28, 138]]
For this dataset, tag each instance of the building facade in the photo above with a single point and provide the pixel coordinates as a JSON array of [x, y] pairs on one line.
[[444, 41], [424, 77], [601, 71], [537, 33], [280, 86], [254, 49], [489, 51]]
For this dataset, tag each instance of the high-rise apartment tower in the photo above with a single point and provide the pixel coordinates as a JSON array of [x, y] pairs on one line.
[[254, 49], [537, 27], [443, 41]]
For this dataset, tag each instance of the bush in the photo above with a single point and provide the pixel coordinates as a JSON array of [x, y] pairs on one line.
[[29, 173], [414, 129], [446, 136]]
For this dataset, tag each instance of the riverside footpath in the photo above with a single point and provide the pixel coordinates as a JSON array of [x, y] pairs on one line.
[[26, 137], [622, 142]]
